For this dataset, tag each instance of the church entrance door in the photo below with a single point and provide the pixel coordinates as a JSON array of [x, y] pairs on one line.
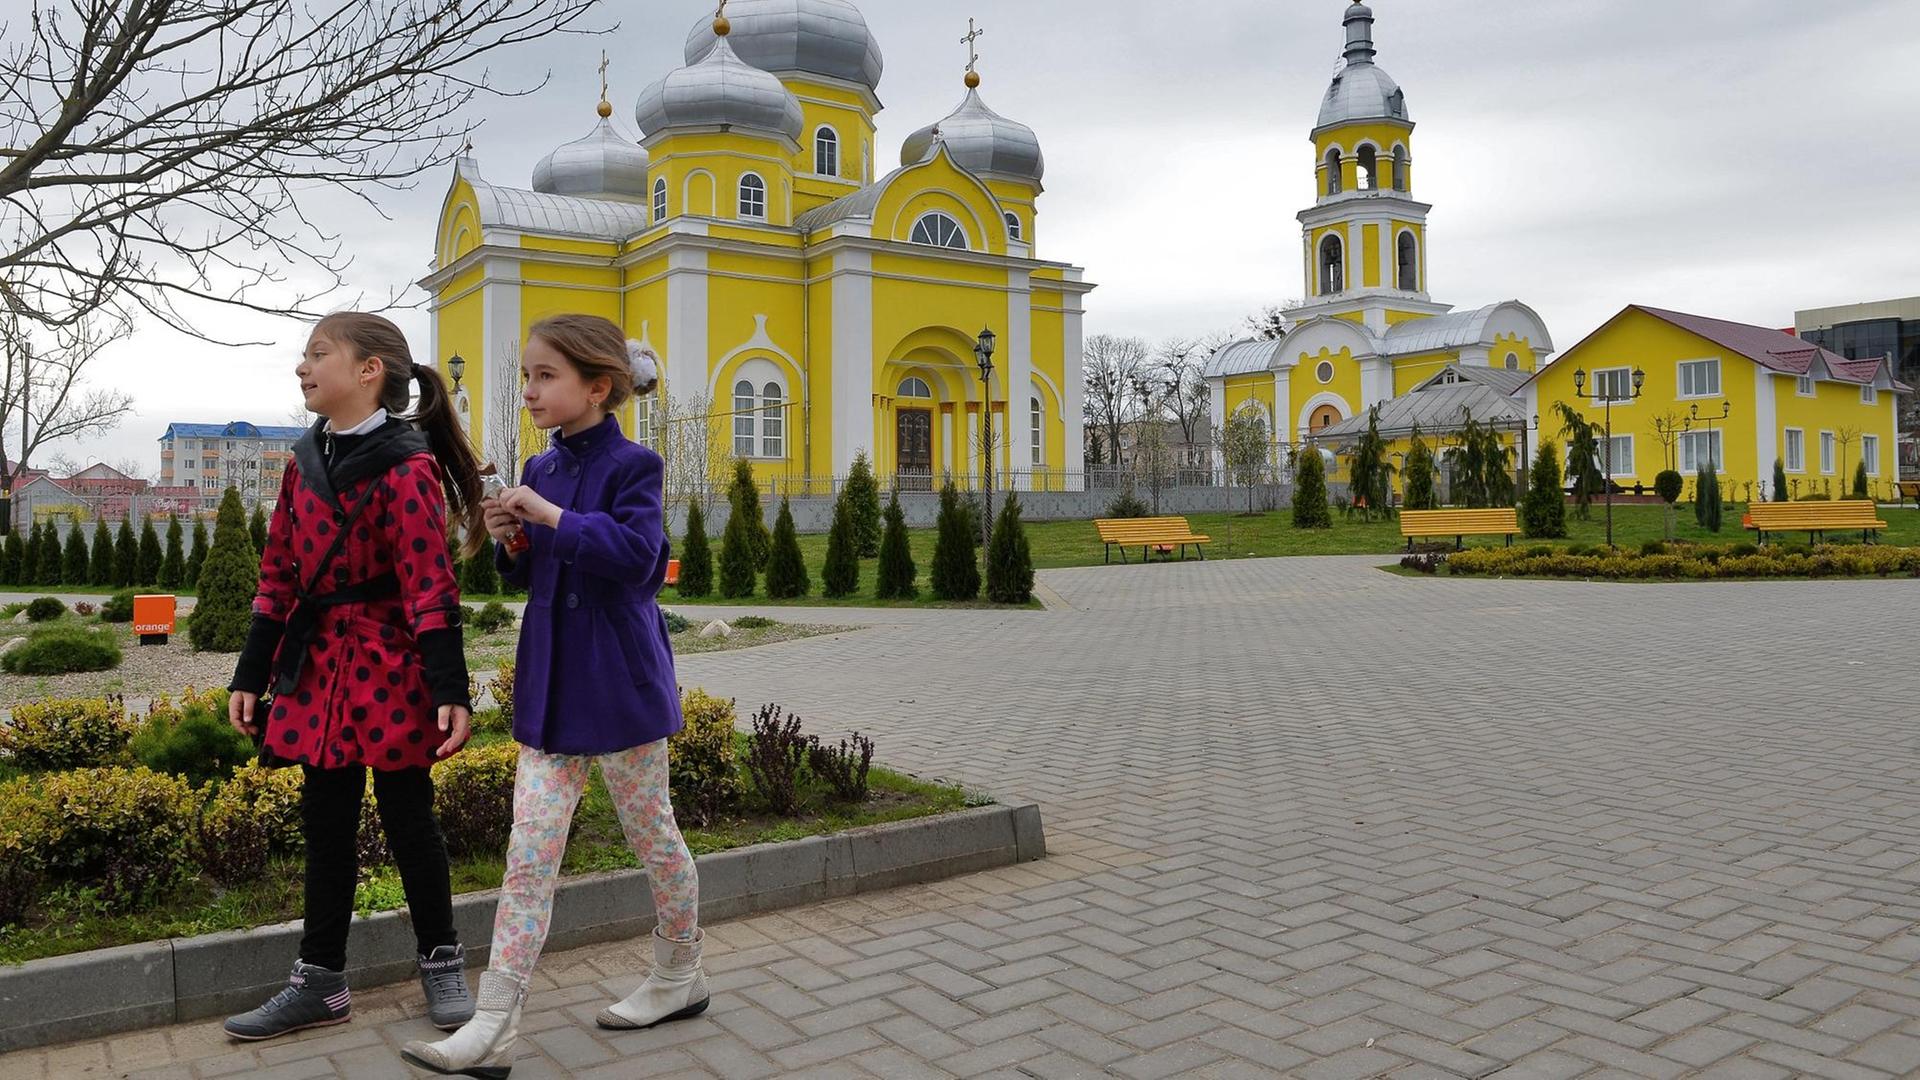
[[914, 442]]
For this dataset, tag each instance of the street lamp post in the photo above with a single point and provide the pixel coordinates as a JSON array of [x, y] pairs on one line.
[[457, 367], [983, 355], [1693, 416], [1526, 462], [1606, 398]]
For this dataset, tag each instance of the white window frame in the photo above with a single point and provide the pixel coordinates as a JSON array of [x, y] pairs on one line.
[[1617, 469], [1626, 384], [936, 235], [1794, 450], [746, 422], [1689, 456], [826, 141], [1869, 395], [1826, 453], [1803, 386], [1870, 453], [753, 200], [1680, 378], [1324, 372], [643, 421], [660, 200], [906, 390], [773, 421], [1013, 228], [1412, 267]]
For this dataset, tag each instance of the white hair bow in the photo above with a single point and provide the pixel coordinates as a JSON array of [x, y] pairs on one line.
[[646, 366]]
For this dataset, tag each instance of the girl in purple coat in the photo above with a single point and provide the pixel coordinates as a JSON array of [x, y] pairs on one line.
[[593, 680]]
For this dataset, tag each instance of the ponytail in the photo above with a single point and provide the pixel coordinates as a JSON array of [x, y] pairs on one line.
[[459, 467]]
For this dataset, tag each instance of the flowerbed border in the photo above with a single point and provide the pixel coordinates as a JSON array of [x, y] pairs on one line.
[[104, 991]]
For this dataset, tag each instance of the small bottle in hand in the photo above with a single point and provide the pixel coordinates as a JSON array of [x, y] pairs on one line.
[[491, 485]]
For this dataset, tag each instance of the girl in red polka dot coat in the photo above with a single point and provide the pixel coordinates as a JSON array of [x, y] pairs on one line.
[[356, 647]]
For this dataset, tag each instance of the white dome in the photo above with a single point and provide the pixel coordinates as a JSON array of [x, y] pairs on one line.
[[1361, 90], [720, 90], [981, 141], [814, 37], [602, 163]]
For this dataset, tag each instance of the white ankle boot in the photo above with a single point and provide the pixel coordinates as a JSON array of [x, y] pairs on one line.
[[676, 988], [484, 1047]]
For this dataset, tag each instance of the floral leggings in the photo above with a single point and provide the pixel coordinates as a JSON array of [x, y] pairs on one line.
[[546, 789]]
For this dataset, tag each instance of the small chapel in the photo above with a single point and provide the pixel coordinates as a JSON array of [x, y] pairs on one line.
[[816, 305]]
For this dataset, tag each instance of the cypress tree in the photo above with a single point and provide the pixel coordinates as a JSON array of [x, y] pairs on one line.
[[1779, 481], [786, 569], [1310, 490], [196, 554], [744, 496], [50, 556], [864, 491], [1544, 513], [151, 555], [29, 573], [77, 566], [173, 569], [257, 530], [126, 555], [1419, 474], [841, 576], [696, 557], [228, 581], [1700, 497], [737, 568], [896, 572], [1860, 480], [12, 552], [1706, 500], [955, 574], [101, 572], [1009, 558]]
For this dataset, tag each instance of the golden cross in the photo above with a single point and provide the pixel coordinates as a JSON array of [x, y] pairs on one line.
[[973, 35], [603, 74]]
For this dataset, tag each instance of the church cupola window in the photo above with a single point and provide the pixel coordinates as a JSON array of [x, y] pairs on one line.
[[1399, 168], [1333, 171], [660, 200], [1013, 227], [826, 152], [753, 197], [1332, 267], [939, 230], [1369, 169], [1409, 263]]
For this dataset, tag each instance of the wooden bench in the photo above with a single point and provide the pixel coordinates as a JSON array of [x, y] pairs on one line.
[[1162, 534], [1459, 524], [1909, 489], [1815, 518]]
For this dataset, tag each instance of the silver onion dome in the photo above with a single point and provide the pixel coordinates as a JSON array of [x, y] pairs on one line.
[[1361, 90], [981, 141], [602, 163], [719, 90], [814, 37]]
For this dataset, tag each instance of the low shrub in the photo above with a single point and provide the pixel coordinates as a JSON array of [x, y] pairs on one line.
[[1538, 550], [1700, 563], [676, 622], [1653, 547], [1424, 563], [1128, 505], [468, 613], [752, 622], [493, 618], [83, 609], [118, 608], [502, 691], [122, 832], [66, 733], [473, 798], [1818, 496], [843, 767], [192, 741], [1736, 550], [702, 773], [45, 609], [248, 819], [58, 650], [19, 886], [776, 754]]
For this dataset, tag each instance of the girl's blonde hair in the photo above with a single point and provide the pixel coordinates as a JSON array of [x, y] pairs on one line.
[[595, 346]]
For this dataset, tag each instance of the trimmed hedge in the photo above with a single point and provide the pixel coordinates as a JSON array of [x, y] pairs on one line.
[[59, 650], [1684, 562], [66, 733]]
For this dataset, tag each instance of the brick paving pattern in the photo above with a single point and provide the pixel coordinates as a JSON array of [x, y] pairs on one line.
[[1308, 819]]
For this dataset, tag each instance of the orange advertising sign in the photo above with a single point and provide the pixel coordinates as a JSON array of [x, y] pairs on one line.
[[153, 615]]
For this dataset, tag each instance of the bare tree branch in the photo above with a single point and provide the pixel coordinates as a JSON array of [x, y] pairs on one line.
[[43, 394]]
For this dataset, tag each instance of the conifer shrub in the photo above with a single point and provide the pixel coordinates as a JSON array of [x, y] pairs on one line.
[[45, 609], [896, 572], [51, 562], [1780, 493], [786, 568], [173, 568], [62, 650], [100, 569], [955, 574], [1009, 558], [1544, 511], [863, 493], [257, 528], [228, 582], [126, 556], [696, 557], [118, 608], [151, 555], [1310, 490], [841, 574], [76, 566], [196, 555], [738, 565], [12, 554], [743, 496]]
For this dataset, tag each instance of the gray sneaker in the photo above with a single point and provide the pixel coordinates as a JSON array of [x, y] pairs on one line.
[[313, 997], [443, 975]]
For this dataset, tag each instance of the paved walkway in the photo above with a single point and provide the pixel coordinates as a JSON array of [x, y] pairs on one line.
[[1309, 819]]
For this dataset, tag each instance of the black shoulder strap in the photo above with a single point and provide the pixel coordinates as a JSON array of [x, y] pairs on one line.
[[345, 522]]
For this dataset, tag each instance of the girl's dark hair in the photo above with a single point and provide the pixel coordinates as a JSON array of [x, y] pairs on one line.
[[374, 336], [595, 346]]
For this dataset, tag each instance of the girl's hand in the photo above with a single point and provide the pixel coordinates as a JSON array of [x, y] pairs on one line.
[[240, 712], [454, 719], [501, 524], [530, 505]]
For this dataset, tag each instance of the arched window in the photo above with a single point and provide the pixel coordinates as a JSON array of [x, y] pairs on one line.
[[643, 421], [753, 197], [1409, 263], [826, 152], [1369, 168], [1399, 168], [1333, 171], [1513, 361], [914, 386], [1013, 226], [939, 230], [660, 200], [773, 428], [1332, 270], [743, 419], [1036, 431]]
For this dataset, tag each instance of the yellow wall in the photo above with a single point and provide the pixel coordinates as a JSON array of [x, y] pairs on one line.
[[1384, 135], [1306, 383]]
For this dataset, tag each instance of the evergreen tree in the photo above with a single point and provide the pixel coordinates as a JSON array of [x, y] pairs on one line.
[[1779, 481], [1700, 497], [1419, 475], [228, 581], [257, 529], [896, 572], [786, 568], [1544, 513], [196, 554], [12, 553], [696, 556], [1860, 480], [744, 496], [955, 574], [101, 571], [50, 556], [151, 555], [1583, 456], [479, 577], [841, 576], [737, 568], [126, 556], [173, 569], [1370, 480], [864, 491], [1009, 558], [1712, 501], [29, 573], [1310, 490], [77, 567]]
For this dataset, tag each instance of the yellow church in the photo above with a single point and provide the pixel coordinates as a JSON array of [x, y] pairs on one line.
[[819, 312]]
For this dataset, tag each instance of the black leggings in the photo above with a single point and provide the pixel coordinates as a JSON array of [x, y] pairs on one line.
[[330, 818]]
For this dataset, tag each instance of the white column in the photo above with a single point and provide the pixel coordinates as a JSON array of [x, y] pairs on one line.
[[1017, 344], [1217, 414], [688, 365], [852, 357], [501, 322], [1073, 389], [1765, 423], [942, 467], [1283, 405]]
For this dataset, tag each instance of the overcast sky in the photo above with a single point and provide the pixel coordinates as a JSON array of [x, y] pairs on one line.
[[1735, 158]]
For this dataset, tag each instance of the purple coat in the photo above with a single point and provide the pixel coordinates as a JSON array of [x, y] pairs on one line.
[[594, 672]]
